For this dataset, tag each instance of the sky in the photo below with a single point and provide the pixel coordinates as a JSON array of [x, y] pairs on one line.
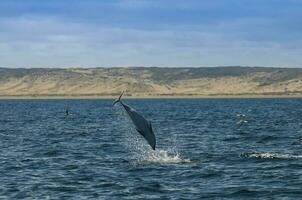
[[164, 33]]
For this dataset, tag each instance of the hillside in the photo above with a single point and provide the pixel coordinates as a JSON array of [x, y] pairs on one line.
[[150, 81]]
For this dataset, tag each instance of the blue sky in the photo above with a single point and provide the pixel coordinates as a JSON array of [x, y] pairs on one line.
[[174, 33]]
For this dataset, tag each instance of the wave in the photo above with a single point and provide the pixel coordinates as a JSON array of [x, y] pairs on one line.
[[271, 156]]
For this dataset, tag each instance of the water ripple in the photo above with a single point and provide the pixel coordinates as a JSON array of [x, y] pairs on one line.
[[207, 149]]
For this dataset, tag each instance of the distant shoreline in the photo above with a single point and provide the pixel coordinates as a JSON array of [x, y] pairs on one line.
[[152, 97], [151, 83]]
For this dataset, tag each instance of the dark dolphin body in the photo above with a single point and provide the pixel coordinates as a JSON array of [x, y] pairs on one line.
[[142, 126]]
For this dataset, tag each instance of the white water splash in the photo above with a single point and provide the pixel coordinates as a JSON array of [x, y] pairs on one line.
[[142, 153], [274, 156], [163, 156]]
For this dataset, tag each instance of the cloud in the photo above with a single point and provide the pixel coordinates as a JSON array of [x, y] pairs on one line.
[[43, 40]]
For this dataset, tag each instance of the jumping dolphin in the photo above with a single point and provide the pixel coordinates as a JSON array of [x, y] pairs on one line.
[[142, 126]]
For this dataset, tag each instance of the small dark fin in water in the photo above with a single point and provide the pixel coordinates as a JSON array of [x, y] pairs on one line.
[[118, 100], [66, 111]]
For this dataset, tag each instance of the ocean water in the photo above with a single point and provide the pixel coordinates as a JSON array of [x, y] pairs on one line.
[[206, 149]]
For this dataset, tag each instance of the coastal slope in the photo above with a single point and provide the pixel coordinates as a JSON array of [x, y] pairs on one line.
[[150, 81]]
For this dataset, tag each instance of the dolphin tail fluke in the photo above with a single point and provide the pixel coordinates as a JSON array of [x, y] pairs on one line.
[[118, 100]]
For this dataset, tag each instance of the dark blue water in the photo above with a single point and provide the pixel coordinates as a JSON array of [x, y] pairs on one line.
[[211, 149]]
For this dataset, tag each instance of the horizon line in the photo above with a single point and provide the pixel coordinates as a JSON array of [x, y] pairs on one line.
[[172, 67]]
